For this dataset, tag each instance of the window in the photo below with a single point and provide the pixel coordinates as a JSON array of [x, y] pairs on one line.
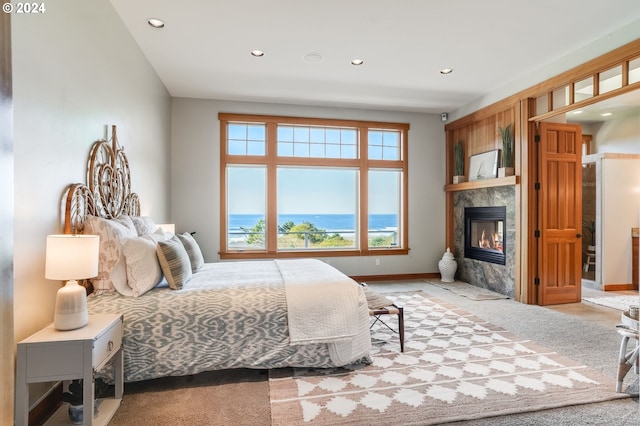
[[293, 187]]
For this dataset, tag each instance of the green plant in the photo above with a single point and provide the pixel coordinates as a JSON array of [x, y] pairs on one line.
[[506, 134], [74, 395], [458, 156]]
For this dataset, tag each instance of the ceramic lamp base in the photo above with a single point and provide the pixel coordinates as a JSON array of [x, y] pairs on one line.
[[71, 307]]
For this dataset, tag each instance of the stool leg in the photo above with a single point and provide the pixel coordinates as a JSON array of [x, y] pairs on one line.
[[623, 366]]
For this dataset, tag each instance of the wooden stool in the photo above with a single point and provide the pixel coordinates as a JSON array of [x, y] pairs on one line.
[[380, 305], [390, 310], [591, 260]]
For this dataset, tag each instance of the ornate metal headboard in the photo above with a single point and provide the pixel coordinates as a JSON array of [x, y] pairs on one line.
[[107, 193]]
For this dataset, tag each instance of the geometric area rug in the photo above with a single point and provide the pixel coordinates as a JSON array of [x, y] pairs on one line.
[[620, 303], [455, 367]]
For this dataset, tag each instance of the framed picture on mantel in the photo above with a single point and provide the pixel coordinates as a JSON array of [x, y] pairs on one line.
[[484, 165]]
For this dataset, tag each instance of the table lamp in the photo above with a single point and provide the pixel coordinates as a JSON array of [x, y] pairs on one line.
[[168, 227], [68, 258]]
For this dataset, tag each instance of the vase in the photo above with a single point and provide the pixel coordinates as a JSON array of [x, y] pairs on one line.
[[448, 267], [76, 412], [506, 171]]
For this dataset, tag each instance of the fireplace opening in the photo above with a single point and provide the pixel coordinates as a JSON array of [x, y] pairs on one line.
[[484, 233]]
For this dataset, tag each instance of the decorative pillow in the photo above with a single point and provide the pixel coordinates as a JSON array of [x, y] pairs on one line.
[[375, 300], [174, 262], [193, 250], [158, 235], [144, 224], [143, 268], [111, 265]]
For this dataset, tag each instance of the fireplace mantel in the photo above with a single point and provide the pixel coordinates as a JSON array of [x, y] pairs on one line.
[[484, 183]]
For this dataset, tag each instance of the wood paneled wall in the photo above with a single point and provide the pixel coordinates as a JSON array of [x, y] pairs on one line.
[[479, 133], [478, 136]]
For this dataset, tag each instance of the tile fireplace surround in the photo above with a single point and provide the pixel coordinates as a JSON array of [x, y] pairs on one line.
[[495, 277]]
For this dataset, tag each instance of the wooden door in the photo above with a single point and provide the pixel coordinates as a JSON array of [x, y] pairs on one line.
[[559, 213]]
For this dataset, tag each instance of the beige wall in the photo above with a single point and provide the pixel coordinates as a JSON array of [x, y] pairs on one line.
[[76, 70], [618, 197], [196, 170], [620, 136]]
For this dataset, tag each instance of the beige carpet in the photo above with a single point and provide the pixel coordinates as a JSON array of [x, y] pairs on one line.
[[469, 291], [210, 398], [455, 367]]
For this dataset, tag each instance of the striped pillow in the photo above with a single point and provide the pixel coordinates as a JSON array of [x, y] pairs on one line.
[[174, 262], [193, 250]]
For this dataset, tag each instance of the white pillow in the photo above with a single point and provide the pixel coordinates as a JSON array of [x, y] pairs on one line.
[[111, 265], [144, 224], [143, 268], [158, 235]]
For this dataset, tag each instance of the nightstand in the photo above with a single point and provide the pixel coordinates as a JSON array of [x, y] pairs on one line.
[[50, 355]]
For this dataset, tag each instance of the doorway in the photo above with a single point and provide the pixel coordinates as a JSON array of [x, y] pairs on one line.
[[610, 192], [609, 214]]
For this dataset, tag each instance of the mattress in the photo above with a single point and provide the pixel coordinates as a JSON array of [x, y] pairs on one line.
[[229, 315]]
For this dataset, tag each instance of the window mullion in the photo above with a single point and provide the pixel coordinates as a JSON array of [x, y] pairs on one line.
[[272, 188], [363, 207], [223, 187], [405, 189]]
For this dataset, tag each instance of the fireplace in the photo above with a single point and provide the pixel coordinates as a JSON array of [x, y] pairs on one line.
[[484, 234]]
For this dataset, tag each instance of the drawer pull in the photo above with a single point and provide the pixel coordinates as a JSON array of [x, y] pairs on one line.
[[110, 345]]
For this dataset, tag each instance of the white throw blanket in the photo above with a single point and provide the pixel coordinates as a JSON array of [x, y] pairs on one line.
[[326, 306]]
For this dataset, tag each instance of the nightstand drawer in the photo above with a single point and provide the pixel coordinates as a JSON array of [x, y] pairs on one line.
[[53, 360], [107, 344]]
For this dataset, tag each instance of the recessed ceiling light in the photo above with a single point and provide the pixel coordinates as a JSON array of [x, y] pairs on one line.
[[578, 111], [155, 23], [446, 71], [357, 62], [257, 53], [606, 114]]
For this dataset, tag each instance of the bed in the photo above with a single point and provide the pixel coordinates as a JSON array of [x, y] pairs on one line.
[[183, 316]]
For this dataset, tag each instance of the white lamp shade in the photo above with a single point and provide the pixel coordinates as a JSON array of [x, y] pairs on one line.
[[168, 227], [71, 257]]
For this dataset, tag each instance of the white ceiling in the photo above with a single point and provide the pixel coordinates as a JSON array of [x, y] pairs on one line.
[[203, 51], [613, 108]]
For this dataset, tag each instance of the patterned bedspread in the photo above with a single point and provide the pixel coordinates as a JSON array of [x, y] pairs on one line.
[[230, 315]]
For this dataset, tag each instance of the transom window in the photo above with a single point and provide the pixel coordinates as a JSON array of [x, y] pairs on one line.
[[317, 142], [303, 186]]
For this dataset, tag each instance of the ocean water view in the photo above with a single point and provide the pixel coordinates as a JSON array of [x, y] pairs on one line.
[[328, 222]]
